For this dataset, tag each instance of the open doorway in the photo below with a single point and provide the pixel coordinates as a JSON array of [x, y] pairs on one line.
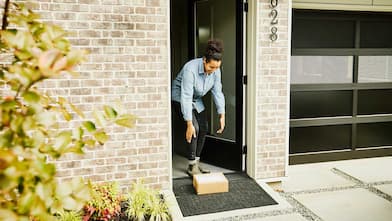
[[193, 23]]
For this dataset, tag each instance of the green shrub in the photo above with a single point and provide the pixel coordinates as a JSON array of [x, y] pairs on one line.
[[69, 216], [159, 210], [146, 204], [29, 119]]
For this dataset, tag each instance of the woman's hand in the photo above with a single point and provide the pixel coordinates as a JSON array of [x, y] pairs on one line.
[[222, 124], [190, 132]]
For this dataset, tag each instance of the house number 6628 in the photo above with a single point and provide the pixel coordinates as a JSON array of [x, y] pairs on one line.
[[274, 21]]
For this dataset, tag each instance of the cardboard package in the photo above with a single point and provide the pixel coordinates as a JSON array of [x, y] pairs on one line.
[[210, 183]]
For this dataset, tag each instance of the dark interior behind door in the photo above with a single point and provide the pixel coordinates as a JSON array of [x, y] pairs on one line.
[[222, 19]]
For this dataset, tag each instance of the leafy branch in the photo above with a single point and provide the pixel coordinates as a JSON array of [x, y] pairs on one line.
[[5, 22], [29, 128]]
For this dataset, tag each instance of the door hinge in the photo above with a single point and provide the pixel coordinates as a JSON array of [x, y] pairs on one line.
[[245, 6], [245, 149], [245, 79]]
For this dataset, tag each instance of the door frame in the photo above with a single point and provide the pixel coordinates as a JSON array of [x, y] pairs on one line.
[[250, 55], [250, 87], [239, 89]]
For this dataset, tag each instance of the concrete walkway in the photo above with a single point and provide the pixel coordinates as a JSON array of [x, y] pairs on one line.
[[352, 190]]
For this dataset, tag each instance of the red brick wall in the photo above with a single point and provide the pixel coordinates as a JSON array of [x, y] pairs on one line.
[[128, 62], [272, 91]]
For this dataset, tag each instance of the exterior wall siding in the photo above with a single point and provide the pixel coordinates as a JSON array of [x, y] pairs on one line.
[[127, 63], [272, 93]]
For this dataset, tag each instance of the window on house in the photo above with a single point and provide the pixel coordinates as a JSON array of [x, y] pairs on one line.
[[312, 104], [376, 33], [321, 69], [322, 33], [320, 138], [374, 101], [375, 69]]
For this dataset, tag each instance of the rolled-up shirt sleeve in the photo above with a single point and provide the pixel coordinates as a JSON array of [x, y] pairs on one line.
[[187, 94], [217, 93]]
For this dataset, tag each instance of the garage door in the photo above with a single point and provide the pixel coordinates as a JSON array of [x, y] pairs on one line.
[[341, 86]]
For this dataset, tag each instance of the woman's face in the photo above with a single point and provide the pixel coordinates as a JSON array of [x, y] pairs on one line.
[[211, 66]]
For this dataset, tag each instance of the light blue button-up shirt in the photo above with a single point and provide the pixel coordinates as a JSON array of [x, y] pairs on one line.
[[192, 84]]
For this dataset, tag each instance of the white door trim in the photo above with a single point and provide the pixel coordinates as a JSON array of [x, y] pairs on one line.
[[251, 55], [168, 100]]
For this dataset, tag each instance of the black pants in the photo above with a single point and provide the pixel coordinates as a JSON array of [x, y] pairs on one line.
[[199, 121]]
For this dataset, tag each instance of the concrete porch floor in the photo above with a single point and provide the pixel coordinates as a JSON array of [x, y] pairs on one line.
[[351, 190], [180, 164]]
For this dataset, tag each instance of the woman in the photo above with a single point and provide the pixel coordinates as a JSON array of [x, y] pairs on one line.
[[195, 79]]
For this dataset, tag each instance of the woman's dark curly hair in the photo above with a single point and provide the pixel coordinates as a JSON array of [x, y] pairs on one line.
[[214, 50]]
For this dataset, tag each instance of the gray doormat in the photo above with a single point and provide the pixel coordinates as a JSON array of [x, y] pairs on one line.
[[244, 192]]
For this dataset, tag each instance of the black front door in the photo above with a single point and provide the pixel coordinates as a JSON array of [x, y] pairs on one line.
[[223, 19]]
